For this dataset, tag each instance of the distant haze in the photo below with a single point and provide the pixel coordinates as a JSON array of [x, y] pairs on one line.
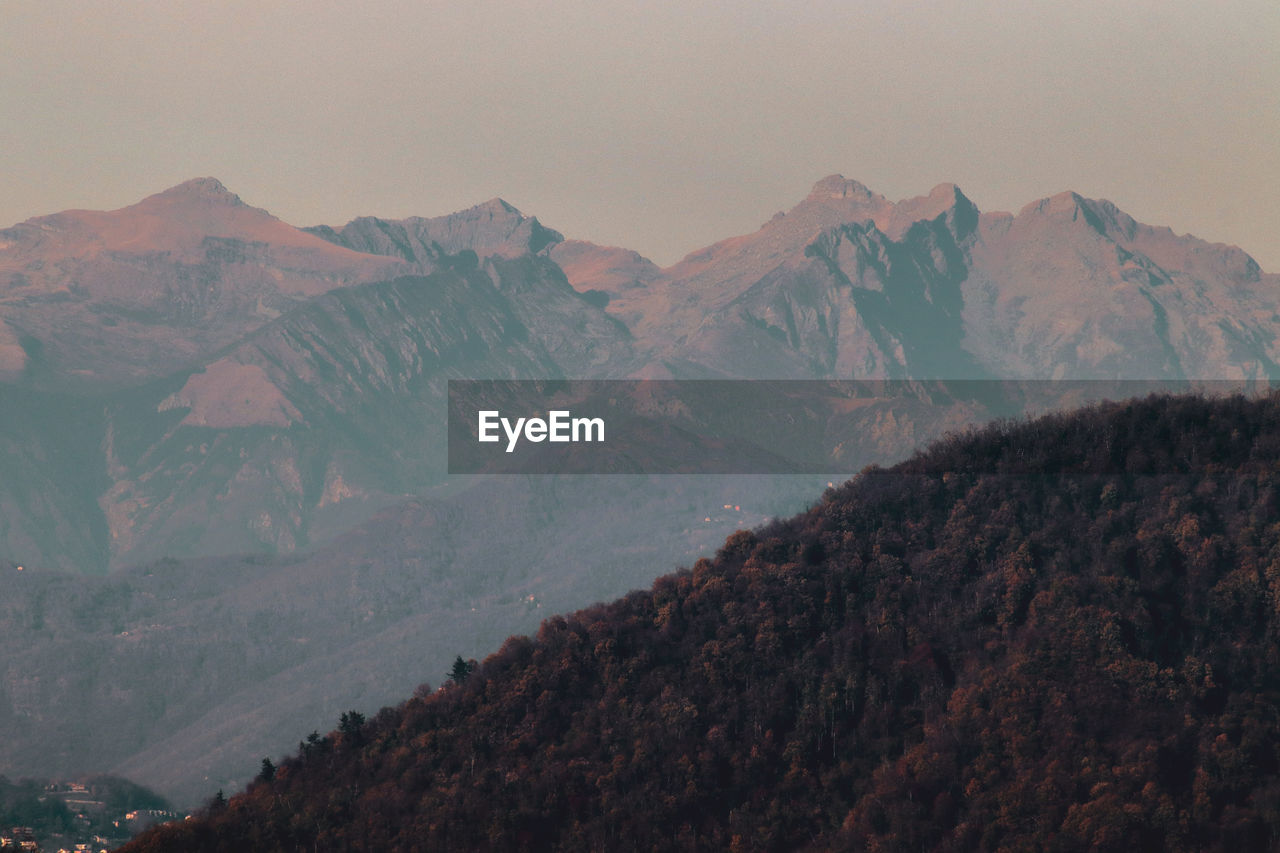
[[657, 127]]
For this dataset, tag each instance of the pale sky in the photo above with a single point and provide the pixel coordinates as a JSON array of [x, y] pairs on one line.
[[661, 127]]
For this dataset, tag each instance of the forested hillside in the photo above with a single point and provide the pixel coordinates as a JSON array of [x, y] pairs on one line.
[[1055, 635]]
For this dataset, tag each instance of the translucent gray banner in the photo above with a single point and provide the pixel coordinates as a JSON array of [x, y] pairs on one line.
[[744, 427]]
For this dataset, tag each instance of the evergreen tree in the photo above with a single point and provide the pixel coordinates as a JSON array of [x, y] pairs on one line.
[[461, 670]]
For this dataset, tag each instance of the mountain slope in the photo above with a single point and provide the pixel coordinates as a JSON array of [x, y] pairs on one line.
[[1072, 287], [335, 409], [606, 271], [950, 654], [50, 478], [849, 285], [91, 300], [338, 401]]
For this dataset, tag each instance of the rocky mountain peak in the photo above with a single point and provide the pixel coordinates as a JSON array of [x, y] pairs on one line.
[[837, 200], [499, 207], [838, 186], [943, 200], [207, 189], [1063, 202], [947, 194], [1102, 217], [1098, 214]]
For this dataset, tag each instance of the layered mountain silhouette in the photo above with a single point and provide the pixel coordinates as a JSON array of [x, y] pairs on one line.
[[197, 395], [1060, 635]]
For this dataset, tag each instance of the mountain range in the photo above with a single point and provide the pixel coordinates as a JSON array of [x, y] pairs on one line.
[[222, 469]]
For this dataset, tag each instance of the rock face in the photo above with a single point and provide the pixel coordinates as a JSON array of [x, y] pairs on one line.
[[190, 378]]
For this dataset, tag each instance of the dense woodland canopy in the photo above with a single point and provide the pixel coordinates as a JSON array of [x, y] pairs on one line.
[[1058, 635]]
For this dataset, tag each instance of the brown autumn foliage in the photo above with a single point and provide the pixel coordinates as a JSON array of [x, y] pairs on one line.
[[1060, 635]]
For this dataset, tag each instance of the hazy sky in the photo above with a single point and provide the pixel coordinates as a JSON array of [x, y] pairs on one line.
[[661, 127]]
